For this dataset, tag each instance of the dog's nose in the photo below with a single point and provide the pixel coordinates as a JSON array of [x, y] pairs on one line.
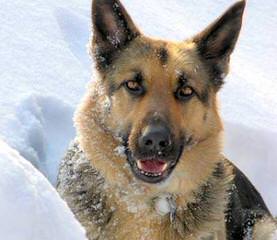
[[155, 138]]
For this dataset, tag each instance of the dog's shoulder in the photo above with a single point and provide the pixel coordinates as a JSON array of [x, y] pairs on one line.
[[82, 187], [246, 208]]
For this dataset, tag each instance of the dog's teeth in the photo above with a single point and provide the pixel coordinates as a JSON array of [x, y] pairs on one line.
[[151, 174], [164, 167], [139, 164]]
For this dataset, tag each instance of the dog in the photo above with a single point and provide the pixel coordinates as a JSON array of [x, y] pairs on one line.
[[147, 161]]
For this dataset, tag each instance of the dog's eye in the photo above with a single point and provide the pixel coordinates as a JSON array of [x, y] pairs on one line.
[[184, 93], [134, 87]]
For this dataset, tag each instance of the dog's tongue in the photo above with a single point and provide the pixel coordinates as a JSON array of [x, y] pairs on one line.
[[152, 166]]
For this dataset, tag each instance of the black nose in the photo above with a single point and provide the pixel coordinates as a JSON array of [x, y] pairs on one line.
[[155, 138]]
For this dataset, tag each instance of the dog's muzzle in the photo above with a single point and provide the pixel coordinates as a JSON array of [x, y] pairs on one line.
[[156, 154]]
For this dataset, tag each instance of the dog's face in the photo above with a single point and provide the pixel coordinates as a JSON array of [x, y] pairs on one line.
[[162, 94]]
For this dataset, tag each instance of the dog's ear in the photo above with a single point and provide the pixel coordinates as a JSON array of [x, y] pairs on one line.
[[113, 29], [216, 43]]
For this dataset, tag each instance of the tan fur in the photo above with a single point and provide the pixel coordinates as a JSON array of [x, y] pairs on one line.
[[264, 229]]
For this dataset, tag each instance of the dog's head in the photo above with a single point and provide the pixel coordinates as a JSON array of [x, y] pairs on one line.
[[158, 96]]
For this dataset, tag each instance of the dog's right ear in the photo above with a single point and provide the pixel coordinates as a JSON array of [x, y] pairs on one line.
[[113, 29], [216, 43]]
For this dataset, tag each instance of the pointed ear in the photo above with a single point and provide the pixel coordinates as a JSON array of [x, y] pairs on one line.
[[113, 29], [216, 43]]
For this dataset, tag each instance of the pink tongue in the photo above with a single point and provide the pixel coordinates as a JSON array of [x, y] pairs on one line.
[[152, 166]]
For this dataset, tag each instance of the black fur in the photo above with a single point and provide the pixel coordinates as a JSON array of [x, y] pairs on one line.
[[217, 42], [113, 29], [219, 39], [245, 208], [162, 54], [204, 96]]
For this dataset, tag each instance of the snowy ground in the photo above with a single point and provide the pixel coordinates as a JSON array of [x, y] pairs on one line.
[[45, 67], [31, 208]]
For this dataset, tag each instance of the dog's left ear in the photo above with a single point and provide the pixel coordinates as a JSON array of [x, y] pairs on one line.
[[216, 43], [113, 29]]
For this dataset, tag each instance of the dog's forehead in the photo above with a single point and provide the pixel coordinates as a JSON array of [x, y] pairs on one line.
[[158, 57], [168, 61]]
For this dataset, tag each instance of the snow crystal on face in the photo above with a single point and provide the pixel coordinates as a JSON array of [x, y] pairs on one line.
[[115, 39], [178, 72], [120, 150], [107, 104]]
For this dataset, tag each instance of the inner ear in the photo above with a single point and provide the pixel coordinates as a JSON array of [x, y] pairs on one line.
[[216, 43], [113, 29]]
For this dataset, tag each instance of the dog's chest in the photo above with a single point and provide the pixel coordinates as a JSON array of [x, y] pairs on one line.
[[148, 227], [127, 212], [139, 224], [156, 221]]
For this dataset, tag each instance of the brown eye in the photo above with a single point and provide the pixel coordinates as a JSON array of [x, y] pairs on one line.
[[134, 87], [184, 93]]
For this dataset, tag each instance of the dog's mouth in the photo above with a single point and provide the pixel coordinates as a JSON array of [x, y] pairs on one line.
[[152, 169]]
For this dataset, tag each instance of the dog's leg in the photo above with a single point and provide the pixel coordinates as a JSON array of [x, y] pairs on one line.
[[247, 215]]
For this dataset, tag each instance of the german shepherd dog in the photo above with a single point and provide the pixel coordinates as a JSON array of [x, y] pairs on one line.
[[147, 162]]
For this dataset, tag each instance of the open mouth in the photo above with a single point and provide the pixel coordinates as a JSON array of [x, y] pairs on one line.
[[153, 170], [152, 167], [154, 155]]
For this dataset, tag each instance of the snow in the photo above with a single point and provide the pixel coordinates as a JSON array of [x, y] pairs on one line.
[[120, 150], [39, 121], [31, 208], [162, 205], [45, 68]]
